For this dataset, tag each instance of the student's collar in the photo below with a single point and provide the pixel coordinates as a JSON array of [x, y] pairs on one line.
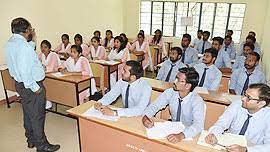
[[19, 36], [186, 98], [135, 82], [211, 66], [258, 113]]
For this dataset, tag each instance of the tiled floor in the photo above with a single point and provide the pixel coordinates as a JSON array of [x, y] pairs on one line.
[[59, 129]]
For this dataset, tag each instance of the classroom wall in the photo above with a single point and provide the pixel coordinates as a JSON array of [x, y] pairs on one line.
[[52, 18], [251, 22], [266, 45]]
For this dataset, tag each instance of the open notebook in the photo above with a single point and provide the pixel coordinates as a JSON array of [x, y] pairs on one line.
[[92, 112], [162, 129], [225, 139]]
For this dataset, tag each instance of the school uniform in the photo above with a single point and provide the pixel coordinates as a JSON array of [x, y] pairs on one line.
[[223, 60], [85, 50], [62, 49], [99, 53], [51, 62], [230, 49], [195, 42], [189, 56], [161, 45], [135, 97], [256, 48], [147, 54], [110, 43], [202, 46], [189, 110]]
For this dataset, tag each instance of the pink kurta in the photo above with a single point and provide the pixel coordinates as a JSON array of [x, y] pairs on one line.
[[82, 65], [61, 48], [128, 46], [52, 62], [100, 53], [123, 55], [161, 45], [85, 50], [109, 43], [145, 48]]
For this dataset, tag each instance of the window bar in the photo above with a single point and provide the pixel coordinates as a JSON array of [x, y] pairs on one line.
[[214, 18], [228, 17], [151, 20], [200, 17], [162, 20], [187, 14], [175, 18]]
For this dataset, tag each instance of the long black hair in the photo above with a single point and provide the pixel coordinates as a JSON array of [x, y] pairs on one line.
[[157, 39], [125, 38], [122, 46], [106, 39]]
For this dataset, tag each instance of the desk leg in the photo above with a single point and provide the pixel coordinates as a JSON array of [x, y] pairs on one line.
[[109, 78], [78, 103], [117, 73], [7, 100]]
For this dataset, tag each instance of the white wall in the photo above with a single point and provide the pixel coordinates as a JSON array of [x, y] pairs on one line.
[[52, 18]]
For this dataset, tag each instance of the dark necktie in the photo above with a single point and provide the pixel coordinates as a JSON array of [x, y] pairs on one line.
[[226, 47], [126, 98], [203, 47], [179, 110], [183, 55], [246, 83], [169, 73], [245, 125], [203, 77]]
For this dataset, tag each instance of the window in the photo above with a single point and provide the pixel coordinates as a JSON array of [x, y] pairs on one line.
[[216, 18]]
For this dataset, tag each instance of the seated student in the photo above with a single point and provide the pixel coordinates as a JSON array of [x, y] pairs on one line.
[[97, 34], [240, 60], [65, 46], [210, 75], [97, 51], [135, 92], [197, 40], [229, 47], [108, 41], [49, 59], [170, 67], [204, 44], [79, 65], [249, 117], [79, 41], [124, 37], [158, 40], [249, 74], [189, 54], [230, 33], [121, 54], [142, 46], [142, 32], [256, 44], [249, 39], [223, 59], [185, 106]]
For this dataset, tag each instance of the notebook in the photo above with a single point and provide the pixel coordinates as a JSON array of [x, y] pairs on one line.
[[92, 112]]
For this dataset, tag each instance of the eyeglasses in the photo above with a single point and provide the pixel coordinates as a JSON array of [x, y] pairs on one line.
[[249, 97]]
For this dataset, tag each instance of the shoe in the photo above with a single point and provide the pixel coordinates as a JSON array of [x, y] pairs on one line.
[[30, 145], [48, 148]]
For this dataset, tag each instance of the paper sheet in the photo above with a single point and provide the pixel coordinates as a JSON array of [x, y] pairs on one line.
[[92, 112], [201, 90], [162, 129], [226, 139], [58, 74]]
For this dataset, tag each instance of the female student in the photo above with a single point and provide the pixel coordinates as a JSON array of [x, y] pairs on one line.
[[79, 65], [119, 53], [79, 41], [97, 34], [125, 39], [108, 41], [141, 46], [63, 47], [97, 52], [49, 60], [158, 40]]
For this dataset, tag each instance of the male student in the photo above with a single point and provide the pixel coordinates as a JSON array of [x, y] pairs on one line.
[[204, 44], [189, 54], [240, 59], [185, 106], [223, 60], [229, 33], [197, 39], [228, 47], [250, 39], [210, 75], [249, 117], [170, 67], [241, 78], [135, 92]]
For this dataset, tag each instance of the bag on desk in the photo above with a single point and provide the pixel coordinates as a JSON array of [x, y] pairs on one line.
[[96, 96]]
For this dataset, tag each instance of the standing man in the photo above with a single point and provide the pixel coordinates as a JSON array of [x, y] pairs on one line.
[[25, 67]]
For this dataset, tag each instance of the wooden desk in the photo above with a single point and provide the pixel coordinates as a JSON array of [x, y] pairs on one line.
[[158, 85], [65, 90], [155, 54], [109, 68], [137, 56], [127, 134], [8, 83]]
